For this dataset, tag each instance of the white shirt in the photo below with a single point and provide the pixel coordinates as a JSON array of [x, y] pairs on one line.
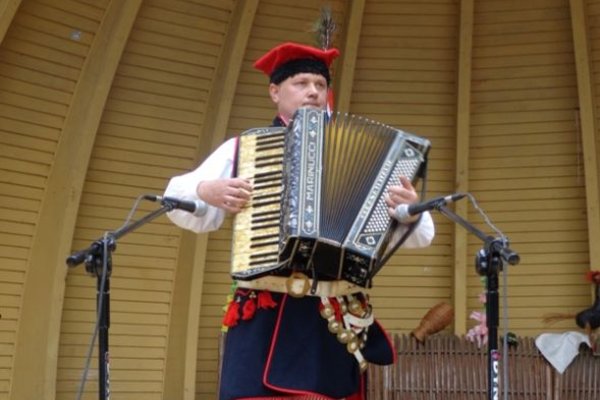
[[219, 165]]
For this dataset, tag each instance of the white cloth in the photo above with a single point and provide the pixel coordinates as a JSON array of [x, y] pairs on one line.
[[219, 165], [561, 348]]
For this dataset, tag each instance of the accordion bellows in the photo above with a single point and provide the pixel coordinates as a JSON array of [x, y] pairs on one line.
[[318, 204]]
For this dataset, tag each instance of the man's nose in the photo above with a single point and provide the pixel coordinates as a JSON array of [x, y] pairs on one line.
[[312, 89]]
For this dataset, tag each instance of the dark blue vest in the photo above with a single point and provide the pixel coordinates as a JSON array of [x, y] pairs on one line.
[[289, 350]]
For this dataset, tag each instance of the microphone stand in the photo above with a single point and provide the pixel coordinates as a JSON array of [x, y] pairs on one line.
[[95, 257], [489, 262]]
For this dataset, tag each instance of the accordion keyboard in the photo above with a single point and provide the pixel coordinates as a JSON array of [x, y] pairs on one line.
[[255, 247]]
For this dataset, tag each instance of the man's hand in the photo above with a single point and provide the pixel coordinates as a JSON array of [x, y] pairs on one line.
[[404, 193], [230, 194]]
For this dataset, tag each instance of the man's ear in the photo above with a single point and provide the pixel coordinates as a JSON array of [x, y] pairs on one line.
[[274, 92]]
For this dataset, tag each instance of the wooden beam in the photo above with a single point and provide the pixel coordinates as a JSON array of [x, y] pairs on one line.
[[182, 345], [180, 372], [8, 10], [463, 131], [587, 105], [344, 74], [225, 82], [36, 352]]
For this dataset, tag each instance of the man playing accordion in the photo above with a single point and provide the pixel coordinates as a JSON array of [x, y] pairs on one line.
[[280, 345]]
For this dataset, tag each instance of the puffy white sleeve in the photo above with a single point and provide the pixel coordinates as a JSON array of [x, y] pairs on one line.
[[219, 165], [423, 233]]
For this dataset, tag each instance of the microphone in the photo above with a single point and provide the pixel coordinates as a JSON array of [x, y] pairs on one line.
[[197, 207], [404, 211]]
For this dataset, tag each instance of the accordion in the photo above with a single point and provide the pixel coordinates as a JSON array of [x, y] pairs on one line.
[[318, 201]]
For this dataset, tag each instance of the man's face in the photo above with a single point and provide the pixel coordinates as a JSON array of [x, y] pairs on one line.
[[300, 90]]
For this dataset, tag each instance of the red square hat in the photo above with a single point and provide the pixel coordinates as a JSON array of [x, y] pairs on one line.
[[290, 58]]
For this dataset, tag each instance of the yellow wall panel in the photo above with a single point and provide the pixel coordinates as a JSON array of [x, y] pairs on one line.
[[405, 76], [522, 79], [525, 159], [36, 85], [148, 133]]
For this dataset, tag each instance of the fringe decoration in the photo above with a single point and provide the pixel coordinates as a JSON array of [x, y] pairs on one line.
[[224, 327], [265, 300], [232, 315], [249, 308], [249, 302]]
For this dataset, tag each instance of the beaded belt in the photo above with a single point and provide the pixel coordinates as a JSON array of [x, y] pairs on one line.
[[299, 285]]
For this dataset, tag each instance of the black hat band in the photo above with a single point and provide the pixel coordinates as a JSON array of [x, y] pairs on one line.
[[298, 66]]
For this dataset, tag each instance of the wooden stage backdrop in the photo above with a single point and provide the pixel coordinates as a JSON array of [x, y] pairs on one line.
[[104, 100]]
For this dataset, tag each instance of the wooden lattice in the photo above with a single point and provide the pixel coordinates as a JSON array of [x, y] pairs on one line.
[[452, 368]]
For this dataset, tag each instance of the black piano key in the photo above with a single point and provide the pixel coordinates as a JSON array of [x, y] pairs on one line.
[[275, 150], [271, 243], [262, 220], [269, 239], [254, 228], [270, 180], [266, 225], [267, 186], [259, 228], [267, 140], [270, 154], [266, 175], [264, 164], [264, 203], [270, 138], [261, 237], [259, 214], [267, 196], [264, 255], [259, 157], [271, 260]]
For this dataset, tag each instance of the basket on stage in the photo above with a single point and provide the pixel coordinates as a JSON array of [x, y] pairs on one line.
[[318, 203]]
